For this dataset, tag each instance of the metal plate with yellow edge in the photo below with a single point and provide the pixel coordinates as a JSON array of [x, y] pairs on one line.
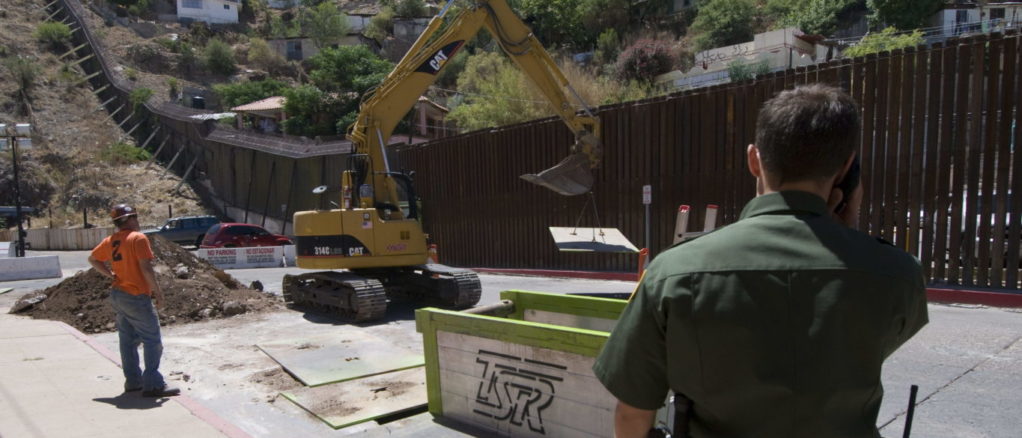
[[357, 401], [591, 240]]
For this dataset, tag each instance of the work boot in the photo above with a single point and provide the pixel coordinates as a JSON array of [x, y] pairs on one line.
[[165, 391]]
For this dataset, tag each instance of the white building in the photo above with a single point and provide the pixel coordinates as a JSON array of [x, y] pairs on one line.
[[775, 50], [210, 11]]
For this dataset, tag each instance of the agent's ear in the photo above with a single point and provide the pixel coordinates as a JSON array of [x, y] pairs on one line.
[[844, 168], [755, 165]]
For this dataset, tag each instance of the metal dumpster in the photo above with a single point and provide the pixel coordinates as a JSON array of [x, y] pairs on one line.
[[526, 374]]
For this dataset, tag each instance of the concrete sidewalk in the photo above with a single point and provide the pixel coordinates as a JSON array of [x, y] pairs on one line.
[[57, 382]]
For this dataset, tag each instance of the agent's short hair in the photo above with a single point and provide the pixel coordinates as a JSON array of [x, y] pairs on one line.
[[806, 133]]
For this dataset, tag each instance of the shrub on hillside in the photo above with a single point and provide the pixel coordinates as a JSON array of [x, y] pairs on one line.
[[123, 153], [139, 96], [23, 72], [381, 25], [644, 60], [884, 40], [219, 58], [410, 8], [261, 55], [54, 35]]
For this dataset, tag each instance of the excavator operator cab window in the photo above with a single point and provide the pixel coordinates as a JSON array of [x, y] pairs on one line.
[[405, 209]]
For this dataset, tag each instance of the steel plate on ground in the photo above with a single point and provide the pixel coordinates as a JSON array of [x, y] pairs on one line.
[[360, 400], [591, 239], [322, 360]]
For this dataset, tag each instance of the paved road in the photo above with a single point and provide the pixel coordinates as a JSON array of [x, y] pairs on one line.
[[967, 363]]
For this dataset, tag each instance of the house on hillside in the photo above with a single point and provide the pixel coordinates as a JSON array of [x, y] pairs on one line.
[[209, 11], [302, 48], [968, 17], [430, 118], [265, 116], [769, 51]]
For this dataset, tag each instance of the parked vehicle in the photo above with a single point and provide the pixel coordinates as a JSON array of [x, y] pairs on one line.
[[186, 230], [232, 235]]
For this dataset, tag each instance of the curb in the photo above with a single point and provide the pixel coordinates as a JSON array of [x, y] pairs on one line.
[[197, 409], [591, 275], [962, 296], [933, 295]]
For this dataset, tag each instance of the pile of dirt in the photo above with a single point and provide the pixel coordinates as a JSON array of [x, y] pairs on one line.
[[193, 290]]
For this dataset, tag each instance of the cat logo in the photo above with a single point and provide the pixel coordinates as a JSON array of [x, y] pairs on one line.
[[440, 58]]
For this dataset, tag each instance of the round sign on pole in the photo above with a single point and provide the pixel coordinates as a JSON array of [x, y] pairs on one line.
[[647, 194]]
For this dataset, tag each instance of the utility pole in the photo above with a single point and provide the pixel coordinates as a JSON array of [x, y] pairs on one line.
[[22, 131]]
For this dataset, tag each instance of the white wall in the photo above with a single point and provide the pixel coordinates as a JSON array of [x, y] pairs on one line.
[[212, 11]]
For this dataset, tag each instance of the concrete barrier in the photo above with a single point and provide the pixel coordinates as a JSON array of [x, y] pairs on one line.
[[6, 249], [243, 258], [290, 256], [29, 268]]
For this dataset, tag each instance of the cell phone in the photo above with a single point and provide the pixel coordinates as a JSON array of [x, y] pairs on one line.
[[848, 184]]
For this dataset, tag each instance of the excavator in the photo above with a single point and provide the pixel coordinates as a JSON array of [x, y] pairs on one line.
[[372, 246]]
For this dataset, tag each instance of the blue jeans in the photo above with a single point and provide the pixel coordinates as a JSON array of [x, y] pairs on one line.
[[138, 323]]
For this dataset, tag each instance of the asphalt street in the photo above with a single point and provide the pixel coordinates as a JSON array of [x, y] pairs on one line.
[[967, 361]]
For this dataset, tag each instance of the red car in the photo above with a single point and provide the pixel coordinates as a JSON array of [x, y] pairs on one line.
[[231, 235]]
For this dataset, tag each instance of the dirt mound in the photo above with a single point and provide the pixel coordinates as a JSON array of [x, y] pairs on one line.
[[193, 290]]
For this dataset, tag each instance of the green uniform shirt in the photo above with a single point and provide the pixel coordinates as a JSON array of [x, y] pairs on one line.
[[774, 326]]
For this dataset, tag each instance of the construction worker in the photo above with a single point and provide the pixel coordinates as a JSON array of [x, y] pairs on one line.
[[777, 325], [132, 295]]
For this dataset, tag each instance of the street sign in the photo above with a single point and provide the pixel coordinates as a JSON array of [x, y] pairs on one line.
[[647, 194]]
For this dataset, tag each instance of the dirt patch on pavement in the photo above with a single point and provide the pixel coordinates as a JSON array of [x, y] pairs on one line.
[[193, 289]]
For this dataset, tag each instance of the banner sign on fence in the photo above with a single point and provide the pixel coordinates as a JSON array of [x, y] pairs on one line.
[[240, 258]]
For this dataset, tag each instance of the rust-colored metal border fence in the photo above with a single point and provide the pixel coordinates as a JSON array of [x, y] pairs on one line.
[[937, 143]]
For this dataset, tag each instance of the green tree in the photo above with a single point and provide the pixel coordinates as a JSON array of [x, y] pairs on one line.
[[219, 57], [348, 69], [903, 14], [309, 112], [812, 16], [232, 95], [325, 24], [52, 34], [558, 22], [884, 40], [723, 23], [606, 14], [607, 47], [496, 94]]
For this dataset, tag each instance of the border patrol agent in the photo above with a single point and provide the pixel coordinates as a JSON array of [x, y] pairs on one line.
[[777, 325]]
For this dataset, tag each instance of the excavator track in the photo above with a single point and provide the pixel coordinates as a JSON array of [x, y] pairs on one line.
[[344, 294], [469, 290], [434, 284]]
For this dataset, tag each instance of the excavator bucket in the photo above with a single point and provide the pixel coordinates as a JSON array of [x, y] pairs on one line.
[[569, 177]]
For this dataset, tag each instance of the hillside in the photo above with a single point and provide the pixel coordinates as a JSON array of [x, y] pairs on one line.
[[72, 166]]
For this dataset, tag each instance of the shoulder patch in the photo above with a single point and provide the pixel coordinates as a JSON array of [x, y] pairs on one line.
[[698, 236]]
